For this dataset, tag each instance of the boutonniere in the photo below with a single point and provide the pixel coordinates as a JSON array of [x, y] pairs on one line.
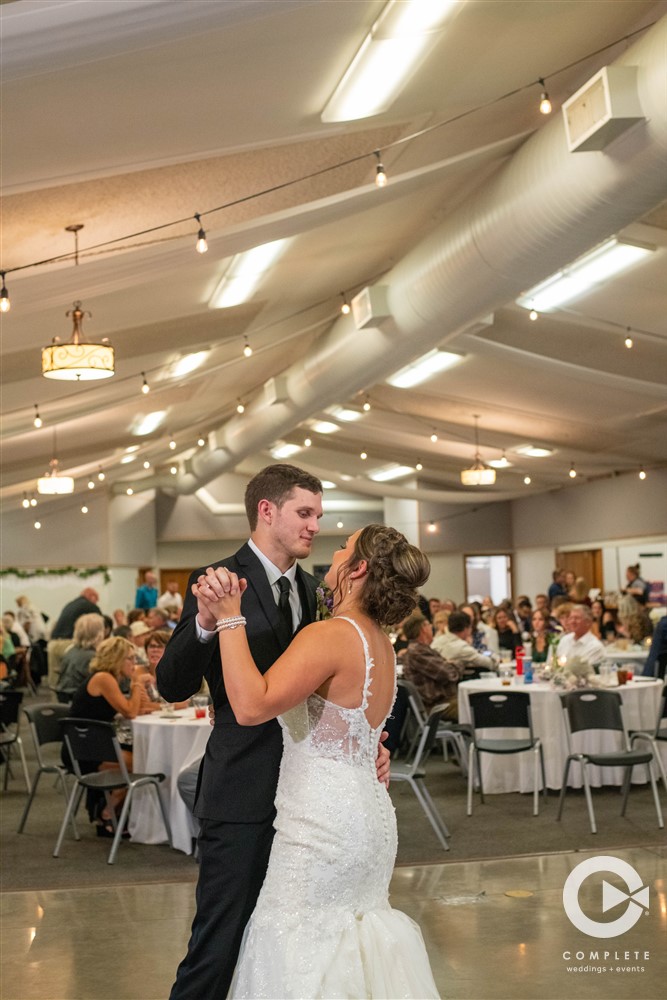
[[324, 601]]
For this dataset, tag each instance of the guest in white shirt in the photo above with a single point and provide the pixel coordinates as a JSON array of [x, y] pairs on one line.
[[579, 640], [171, 596], [455, 645]]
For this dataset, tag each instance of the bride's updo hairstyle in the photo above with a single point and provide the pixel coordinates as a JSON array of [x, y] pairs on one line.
[[394, 571]]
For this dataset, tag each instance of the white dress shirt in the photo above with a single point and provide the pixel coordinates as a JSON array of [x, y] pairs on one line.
[[588, 647]]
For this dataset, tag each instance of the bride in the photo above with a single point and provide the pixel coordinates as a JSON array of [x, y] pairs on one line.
[[323, 926]]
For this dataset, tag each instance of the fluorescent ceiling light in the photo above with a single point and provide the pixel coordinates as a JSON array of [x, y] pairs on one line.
[[389, 54], [127, 458], [283, 450], [244, 274], [325, 427], [391, 472], [342, 413], [149, 423], [328, 485], [188, 363], [584, 274], [423, 368], [533, 451], [132, 447]]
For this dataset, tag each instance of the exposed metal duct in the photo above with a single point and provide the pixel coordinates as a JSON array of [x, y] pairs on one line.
[[543, 209]]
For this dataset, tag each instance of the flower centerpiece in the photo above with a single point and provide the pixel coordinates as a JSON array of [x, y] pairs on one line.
[[324, 602], [568, 674]]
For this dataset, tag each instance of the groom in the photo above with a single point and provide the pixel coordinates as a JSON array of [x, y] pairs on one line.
[[239, 772]]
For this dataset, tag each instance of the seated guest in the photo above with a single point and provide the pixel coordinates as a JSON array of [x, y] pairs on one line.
[[542, 604], [435, 678], [484, 638], [456, 647], [561, 615], [539, 637], [657, 654], [156, 643], [157, 618], [488, 610], [604, 621], [507, 631], [580, 592], [579, 641], [637, 626], [523, 614], [119, 617], [557, 586], [136, 615], [139, 630], [75, 664], [171, 596], [433, 607], [440, 619], [100, 697], [570, 580]]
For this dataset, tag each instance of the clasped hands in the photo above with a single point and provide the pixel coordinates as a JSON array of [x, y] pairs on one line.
[[218, 594]]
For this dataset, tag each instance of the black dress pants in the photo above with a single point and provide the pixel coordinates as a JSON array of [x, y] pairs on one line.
[[233, 859]]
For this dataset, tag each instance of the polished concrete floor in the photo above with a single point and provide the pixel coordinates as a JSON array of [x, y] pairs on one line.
[[494, 930]]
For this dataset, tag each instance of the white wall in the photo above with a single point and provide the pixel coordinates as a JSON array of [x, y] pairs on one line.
[[532, 569], [51, 593]]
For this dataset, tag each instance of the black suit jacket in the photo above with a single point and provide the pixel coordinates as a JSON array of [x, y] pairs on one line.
[[239, 772]]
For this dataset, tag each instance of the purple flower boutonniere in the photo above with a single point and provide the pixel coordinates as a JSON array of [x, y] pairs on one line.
[[324, 601]]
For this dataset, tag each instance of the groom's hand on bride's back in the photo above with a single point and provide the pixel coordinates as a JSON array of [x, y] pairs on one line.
[[383, 761]]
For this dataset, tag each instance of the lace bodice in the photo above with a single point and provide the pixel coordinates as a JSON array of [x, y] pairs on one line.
[[324, 729]]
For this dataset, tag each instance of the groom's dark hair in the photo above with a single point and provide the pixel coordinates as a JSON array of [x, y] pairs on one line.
[[276, 483]]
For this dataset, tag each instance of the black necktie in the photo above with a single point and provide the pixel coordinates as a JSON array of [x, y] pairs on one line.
[[284, 604]]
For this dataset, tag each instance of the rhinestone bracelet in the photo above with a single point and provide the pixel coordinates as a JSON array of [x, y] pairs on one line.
[[223, 623]]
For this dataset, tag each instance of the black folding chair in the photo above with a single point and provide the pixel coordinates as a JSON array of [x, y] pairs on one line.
[[10, 703], [591, 709], [45, 723], [412, 771], [503, 710], [90, 740], [655, 736]]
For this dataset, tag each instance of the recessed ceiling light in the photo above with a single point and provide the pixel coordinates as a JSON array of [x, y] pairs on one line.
[[390, 472], [584, 274], [244, 274], [283, 450], [423, 368], [500, 463], [534, 451], [149, 423], [188, 363], [342, 413], [325, 427], [328, 485]]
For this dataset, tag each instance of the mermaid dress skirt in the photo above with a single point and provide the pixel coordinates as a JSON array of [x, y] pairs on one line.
[[323, 926]]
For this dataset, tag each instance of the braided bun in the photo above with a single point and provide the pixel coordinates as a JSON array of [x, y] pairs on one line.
[[395, 569]]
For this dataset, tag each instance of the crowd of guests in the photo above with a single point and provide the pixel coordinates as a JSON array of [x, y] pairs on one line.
[[102, 666], [441, 643]]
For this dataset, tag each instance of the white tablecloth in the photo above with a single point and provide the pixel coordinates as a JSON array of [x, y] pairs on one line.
[[167, 745], [634, 656], [514, 772]]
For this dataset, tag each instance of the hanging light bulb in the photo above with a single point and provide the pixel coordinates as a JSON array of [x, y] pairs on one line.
[[434, 437], [345, 306], [145, 388], [174, 470], [419, 467], [201, 442], [33, 501], [380, 174], [573, 472], [367, 405], [339, 524], [5, 304], [247, 349], [545, 103], [129, 491], [642, 473], [533, 315], [100, 475], [91, 484], [38, 525], [527, 480], [431, 527], [172, 444], [240, 408], [363, 456], [147, 464], [37, 421], [628, 340], [201, 246], [307, 442], [84, 509], [25, 503]]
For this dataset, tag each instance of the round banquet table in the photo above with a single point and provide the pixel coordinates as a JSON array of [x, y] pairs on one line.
[[635, 655], [514, 772], [166, 744]]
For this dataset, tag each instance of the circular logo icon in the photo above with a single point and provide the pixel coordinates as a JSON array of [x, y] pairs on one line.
[[636, 897]]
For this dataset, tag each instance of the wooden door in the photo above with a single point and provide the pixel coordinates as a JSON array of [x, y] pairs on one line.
[[586, 563]]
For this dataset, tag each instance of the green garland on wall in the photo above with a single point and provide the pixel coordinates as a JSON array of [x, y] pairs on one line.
[[83, 574]]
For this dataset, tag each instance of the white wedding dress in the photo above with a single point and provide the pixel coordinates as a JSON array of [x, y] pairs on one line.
[[323, 926]]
